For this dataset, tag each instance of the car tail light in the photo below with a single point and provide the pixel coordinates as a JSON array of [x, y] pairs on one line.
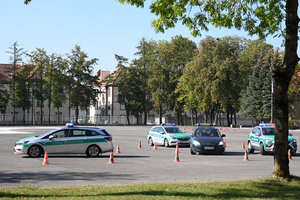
[[108, 138]]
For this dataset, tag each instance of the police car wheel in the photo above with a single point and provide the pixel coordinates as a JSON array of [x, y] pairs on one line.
[[166, 143], [150, 141], [35, 151], [250, 148], [93, 151], [262, 149]]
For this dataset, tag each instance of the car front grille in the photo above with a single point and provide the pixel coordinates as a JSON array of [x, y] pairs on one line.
[[183, 139]]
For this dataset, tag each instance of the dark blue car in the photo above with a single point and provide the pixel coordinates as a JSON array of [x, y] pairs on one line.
[[207, 140]]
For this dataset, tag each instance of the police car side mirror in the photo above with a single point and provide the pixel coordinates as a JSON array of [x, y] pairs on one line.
[[162, 133], [223, 135], [51, 137]]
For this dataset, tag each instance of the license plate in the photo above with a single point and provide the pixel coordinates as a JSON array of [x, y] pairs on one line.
[[209, 148], [184, 142]]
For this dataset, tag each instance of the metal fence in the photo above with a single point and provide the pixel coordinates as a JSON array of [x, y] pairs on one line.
[[7, 119]]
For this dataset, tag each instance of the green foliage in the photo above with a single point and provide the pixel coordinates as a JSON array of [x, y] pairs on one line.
[[82, 82], [255, 17], [257, 97], [211, 80], [4, 99]]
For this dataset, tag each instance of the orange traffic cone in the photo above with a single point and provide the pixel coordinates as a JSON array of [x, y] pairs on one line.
[[290, 155], [155, 147], [118, 149], [176, 157], [140, 144], [243, 145], [45, 162], [177, 149], [246, 156], [111, 158], [225, 143]]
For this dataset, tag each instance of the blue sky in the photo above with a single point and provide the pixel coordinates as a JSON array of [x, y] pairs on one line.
[[102, 28]]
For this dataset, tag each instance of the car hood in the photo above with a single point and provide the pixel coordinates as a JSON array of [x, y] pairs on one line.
[[208, 139], [28, 138], [180, 135]]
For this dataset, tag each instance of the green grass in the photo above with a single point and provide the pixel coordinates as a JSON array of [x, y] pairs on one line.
[[263, 188]]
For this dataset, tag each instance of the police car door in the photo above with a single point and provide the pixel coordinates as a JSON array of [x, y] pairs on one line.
[[57, 142], [78, 140], [160, 135], [256, 134]]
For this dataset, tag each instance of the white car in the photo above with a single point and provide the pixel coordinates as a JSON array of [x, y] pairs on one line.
[[167, 135], [91, 141]]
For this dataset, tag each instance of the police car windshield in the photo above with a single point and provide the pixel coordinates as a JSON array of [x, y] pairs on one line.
[[268, 131], [173, 130]]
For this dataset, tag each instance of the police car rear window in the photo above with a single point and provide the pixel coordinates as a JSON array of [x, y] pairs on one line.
[[100, 132]]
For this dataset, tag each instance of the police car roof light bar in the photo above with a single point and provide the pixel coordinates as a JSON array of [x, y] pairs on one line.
[[69, 124]]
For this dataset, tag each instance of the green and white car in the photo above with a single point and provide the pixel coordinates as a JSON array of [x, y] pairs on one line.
[[167, 135], [262, 138], [91, 141]]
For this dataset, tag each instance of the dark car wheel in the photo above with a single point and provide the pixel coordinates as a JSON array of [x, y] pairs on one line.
[[93, 151], [166, 143], [150, 141], [192, 151], [35, 151], [293, 153], [262, 149], [250, 148]]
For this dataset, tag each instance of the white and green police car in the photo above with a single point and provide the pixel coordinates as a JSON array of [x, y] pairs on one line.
[[262, 138], [167, 135], [91, 141]]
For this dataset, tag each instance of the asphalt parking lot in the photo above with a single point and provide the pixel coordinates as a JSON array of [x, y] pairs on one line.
[[133, 165]]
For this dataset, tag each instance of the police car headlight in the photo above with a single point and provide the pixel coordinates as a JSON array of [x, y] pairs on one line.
[[196, 143], [173, 137], [22, 143], [221, 143]]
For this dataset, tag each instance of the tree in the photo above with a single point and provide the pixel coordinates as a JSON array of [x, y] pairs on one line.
[[15, 59], [146, 58], [82, 92], [257, 97], [22, 90], [262, 18], [59, 86], [4, 99], [131, 85], [210, 82], [40, 60], [177, 54], [158, 79]]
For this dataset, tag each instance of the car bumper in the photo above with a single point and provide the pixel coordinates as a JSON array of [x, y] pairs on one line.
[[20, 150], [220, 149], [179, 142]]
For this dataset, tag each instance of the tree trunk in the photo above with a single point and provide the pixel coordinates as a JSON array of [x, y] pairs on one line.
[[282, 76]]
